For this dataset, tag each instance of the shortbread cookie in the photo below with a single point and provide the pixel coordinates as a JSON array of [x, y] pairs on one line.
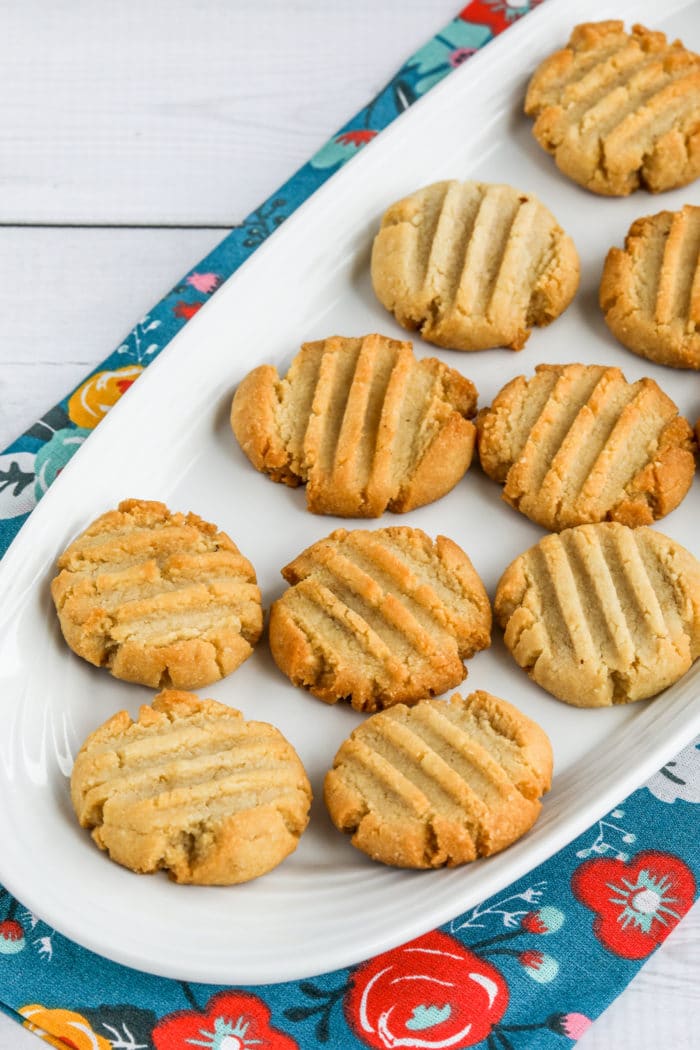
[[192, 788], [619, 110], [159, 598], [650, 292], [473, 265], [440, 783], [362, 422], [578, 444], [379, 617], [602, 614]]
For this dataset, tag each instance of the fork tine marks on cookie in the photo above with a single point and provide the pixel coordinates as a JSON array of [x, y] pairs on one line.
[[350, 460], [547, 439], [445, 245], [473, 265], [193, 788], [619, 110], [579, 461], [650, 290], [578, 443], [595, 582], [431, 785], [363, 423], [158, 598], [679, 271], [379, 617], [602, 614]]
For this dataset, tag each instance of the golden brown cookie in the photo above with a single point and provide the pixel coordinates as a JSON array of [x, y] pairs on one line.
[[650, 292], [192, 788], [619, 110], [159, 598], [578, 443], [379, 617], [440, 783], [473, 265], [362, 422], [602, 614]]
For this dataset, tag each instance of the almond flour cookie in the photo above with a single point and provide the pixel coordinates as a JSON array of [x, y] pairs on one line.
[[650, 292], [602, 614], [619, 110], [473, 265], [578, 443], [362, 422], [159, 598], [379, 617], [192, 788], [441, 783]]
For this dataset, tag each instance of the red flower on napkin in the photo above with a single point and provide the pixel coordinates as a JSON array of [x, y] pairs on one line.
[[186, 311], [496, 13], [431, 992], [636, 904], [342, 147], [12, 938], [231, 1020], [358, 137]]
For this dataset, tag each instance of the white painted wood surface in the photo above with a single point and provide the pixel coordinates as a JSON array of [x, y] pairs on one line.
[[186, 114], [221, 101]]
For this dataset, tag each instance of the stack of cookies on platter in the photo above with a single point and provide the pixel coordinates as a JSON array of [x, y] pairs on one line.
[[602, 610]]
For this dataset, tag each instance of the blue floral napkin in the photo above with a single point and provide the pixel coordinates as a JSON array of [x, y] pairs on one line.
[[529, 968]]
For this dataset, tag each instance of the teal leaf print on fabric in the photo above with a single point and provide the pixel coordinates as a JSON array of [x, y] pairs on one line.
[[54, 455], [447, 50]]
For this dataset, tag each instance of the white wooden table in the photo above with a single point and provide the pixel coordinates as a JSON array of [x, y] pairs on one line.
[[133, 136]]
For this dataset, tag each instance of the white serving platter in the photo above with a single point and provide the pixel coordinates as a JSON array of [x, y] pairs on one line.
[[327, 906]]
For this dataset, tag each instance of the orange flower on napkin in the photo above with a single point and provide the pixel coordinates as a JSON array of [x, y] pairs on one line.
[[62, 1028], [94, 398]]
